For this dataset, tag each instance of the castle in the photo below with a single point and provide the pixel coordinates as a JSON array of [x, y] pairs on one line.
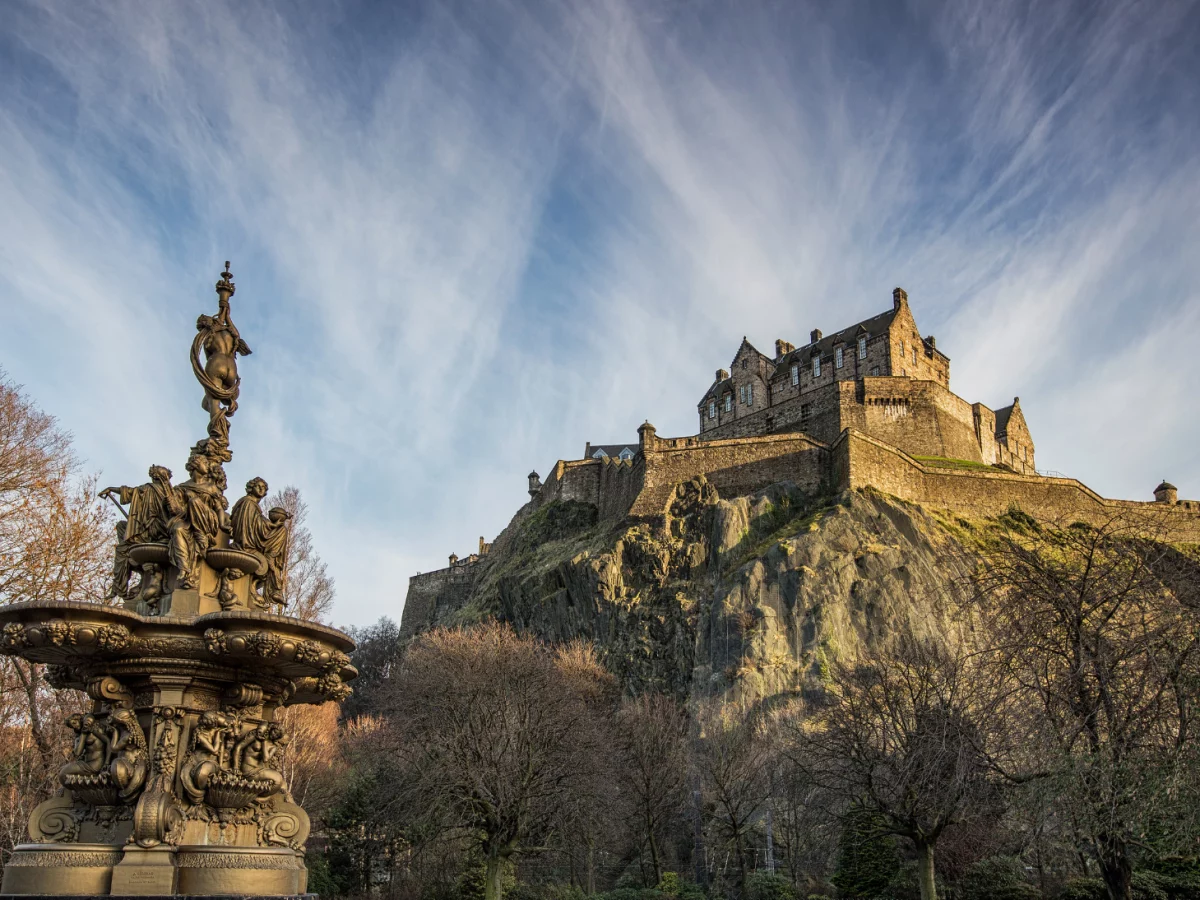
[[868, 406], [879, 377]]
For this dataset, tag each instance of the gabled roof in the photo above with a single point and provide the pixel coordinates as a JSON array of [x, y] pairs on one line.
[[1005, 413], [872, 326], [718, 389], [746, 345]]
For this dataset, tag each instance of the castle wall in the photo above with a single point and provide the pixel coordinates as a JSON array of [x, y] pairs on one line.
[[619, 485], [735, 467], [862, 461], [429, 592]]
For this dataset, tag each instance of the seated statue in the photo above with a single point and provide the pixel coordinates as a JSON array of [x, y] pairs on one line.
[[200, 515], [89, 749], [151, 506], [264, 535], [256, 754], [127, 752], [204, 756]]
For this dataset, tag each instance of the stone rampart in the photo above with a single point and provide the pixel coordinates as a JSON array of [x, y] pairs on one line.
[[863, 461], [430, 592], [736, 467]]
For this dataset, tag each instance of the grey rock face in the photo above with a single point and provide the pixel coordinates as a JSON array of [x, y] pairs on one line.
[[748, 597]]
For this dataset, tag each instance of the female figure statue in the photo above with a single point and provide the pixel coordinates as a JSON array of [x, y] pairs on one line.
[[221, 342], [89, 749], [264, 535], [204, 756], [127, 752], [256, 753]]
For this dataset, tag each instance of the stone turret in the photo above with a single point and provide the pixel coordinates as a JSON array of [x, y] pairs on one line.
[[535, 484], [1166, 493]]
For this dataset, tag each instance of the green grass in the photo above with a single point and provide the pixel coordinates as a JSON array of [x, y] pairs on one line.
[[945, 462]]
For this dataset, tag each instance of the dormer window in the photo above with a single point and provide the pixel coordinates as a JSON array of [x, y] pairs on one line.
[[837, 357], [862, 347], [795, 375], [712, 409], [599, 454], [626, 453], [816, 367]]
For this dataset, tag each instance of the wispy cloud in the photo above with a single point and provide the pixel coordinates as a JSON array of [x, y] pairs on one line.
[[469, 237]]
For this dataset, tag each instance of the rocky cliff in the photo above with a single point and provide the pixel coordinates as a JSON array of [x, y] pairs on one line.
[[745, 597]]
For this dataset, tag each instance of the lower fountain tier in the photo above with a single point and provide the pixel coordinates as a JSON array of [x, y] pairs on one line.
[[108, 870]]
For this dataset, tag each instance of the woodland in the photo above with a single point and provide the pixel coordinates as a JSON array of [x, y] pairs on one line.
[[1053, 754]]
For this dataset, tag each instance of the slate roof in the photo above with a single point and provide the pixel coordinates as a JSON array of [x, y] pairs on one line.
[[718, 389], [613, 450], [872, 326]]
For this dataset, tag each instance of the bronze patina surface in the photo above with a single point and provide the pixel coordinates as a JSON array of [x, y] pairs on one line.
[[174, 784]]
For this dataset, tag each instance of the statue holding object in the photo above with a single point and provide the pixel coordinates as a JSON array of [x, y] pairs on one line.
[[266, 535], [221, 342]]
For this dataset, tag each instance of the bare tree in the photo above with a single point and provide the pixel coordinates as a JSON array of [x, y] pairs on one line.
[[1096, 630], [898, 735], [55, 544], [652, 740], [308, 590], [734, 755], [495, 733]]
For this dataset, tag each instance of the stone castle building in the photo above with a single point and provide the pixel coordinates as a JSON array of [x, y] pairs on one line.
[[880, 377], [868, 406]]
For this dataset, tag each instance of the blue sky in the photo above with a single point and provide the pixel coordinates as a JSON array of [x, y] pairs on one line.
[[468, 238]]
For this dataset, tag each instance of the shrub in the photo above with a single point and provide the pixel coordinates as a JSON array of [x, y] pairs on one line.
[[676, 887], [998, 878], [867, 860], [764, 886], [1084, 889]]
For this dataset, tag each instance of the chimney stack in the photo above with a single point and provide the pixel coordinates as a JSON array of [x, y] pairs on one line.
[[814, 336], [782, 347], [722, 374], [899, 298]]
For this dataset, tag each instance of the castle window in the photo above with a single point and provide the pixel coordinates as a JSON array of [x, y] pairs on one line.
[[729, 403], [742, 394], [875, 370], [712, 409], [862, 348], [805, 412], [745, 362], [816, 367], [795, 375], [750, 395], [626, 453], [838, 357], [599, 454], [914, 354]]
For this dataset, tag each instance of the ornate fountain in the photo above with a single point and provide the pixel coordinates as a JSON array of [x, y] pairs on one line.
[[173, 781]]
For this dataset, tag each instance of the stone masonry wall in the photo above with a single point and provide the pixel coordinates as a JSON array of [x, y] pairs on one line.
[[862, 461], [428, 592], [735, 467]]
